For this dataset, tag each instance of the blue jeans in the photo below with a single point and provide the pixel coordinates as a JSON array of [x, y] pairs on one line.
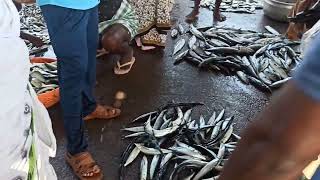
[[74, 37]]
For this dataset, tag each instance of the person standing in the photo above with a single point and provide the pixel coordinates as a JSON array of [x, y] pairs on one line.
[[26, 135], [217, 16], [73, 30]]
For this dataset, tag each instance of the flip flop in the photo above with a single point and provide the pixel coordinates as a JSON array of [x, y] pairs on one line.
[[147, 48], [119, 68], [101, 52], [103, 112]]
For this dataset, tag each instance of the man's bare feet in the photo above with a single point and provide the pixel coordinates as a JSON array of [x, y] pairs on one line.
[[192, 16], [217, 16]]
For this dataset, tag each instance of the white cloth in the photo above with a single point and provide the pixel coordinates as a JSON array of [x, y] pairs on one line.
[[16, 106]]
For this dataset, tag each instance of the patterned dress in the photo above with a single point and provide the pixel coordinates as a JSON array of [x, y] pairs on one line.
[[153, 17]]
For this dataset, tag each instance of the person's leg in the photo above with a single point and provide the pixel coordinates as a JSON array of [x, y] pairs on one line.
[[217, 16], [89, 101], [193, 15], [68, 34]]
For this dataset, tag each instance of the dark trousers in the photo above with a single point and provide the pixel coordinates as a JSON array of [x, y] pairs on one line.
[[74, 37]]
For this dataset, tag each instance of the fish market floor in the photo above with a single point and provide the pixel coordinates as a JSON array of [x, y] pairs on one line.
[[154, 81]]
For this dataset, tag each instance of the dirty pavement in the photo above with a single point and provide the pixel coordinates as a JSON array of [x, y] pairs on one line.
[[154, 81]]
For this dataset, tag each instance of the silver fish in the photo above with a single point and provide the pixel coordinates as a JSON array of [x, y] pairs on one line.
[[180, 56], [153, 165], [272, 30], [179, 45], [144, 168], [165, 159], [181, 29], [133, 155], [187, 152], [134, 134], [159, 120], [144, 115], [227, 135], [220, 116], [243, 77], [207, 168], [151, 151], [197, 33], [192, 41], [134, 129], [174, 33], [279, 83]]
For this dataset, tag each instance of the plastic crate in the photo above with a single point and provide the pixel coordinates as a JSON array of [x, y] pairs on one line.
[[49, 98]]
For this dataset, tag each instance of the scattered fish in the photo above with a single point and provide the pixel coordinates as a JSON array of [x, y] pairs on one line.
[[174, 33], [43, 77], [192, 42], [179, 45], [272, 30], [181, 29], [235, 6], [190, 148], [264, 60]]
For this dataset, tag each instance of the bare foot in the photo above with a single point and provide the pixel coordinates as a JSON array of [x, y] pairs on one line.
[[192, 16], [217, 16]]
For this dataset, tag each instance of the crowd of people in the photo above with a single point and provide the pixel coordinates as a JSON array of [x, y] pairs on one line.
[[277, 146]]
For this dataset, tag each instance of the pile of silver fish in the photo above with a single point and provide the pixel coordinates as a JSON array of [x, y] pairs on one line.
[[44, 77], [173, 145], [32, 22], [235, 6], [265, 60]]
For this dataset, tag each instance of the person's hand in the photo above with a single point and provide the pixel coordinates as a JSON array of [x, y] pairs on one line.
[[25, 1]]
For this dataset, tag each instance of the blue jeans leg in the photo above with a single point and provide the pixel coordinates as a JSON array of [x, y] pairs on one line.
[[89, 102], [68, 29]]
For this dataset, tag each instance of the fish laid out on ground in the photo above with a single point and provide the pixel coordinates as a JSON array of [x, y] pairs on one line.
[[265, 60], [173, 145], [234, 6], [44, 77]]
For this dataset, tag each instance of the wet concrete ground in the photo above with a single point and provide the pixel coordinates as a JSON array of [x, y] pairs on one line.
[[153, 82]]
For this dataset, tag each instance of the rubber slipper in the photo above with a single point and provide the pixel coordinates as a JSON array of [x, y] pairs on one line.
[[103, 112], [119, 69]]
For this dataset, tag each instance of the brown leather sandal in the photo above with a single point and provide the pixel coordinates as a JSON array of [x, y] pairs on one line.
[[103, 112], [84, 166]]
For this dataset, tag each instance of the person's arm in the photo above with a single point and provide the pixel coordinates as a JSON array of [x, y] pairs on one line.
[[281, 142], [285, 136]]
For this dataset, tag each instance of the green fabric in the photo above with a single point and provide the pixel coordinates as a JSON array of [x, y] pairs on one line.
[[125, 16], [32, 155]]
